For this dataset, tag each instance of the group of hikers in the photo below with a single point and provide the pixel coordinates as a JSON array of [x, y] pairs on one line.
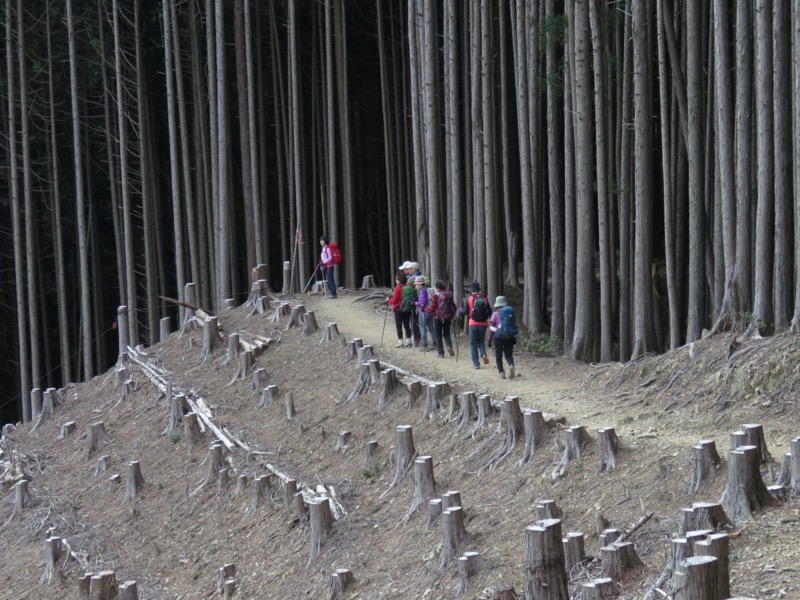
[[421, 310]]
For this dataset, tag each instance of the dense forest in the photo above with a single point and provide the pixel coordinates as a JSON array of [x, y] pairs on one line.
[[628, 166]]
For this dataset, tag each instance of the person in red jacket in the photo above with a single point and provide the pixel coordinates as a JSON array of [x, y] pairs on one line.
[[326, 260], [478, 309], [402, 318]]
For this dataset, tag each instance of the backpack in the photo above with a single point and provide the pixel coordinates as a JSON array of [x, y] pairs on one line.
[[481, 311], [508, 323], [445, 306], [408, 298], [336, 254]]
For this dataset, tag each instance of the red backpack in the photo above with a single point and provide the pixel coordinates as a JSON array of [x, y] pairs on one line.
[[336, 254]]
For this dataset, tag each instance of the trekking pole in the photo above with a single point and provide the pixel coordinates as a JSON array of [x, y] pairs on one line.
[[310, 279], [385, 314]]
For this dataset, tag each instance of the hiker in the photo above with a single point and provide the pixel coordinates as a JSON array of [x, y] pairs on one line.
[[476, 308], [402, 308], [326, 262], [441, 310], [411, 269], [423, 318], [503, 332]]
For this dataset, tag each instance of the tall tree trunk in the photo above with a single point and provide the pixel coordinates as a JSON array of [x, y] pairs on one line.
[[350, 249], [795, 33], [512, 238], [453, 160], [242, 96], [223, 216], [489, 209], [432, 126], [782, 149]]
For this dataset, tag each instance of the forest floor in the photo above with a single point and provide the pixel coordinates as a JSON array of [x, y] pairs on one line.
[[182, 525]]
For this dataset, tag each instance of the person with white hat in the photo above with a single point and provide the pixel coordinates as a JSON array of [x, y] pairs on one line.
[[503, 332]]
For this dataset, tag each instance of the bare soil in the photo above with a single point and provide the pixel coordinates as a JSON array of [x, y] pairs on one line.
[[175, 534]]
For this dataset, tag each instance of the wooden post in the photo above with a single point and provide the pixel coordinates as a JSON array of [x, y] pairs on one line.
[[545, 573]]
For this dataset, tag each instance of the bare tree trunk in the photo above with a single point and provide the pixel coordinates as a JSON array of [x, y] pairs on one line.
[[350, 248], [223, 216], [489, 208], [796, 157], [242, 96], [453, 154], [511, 278], [432, 125]]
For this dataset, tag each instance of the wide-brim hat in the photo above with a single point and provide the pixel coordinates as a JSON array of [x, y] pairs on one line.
[[405, 265], [419, 279], [474, 287], [500, 302]]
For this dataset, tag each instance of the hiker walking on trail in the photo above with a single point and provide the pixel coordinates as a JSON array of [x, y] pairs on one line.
[[441, 310], [503, 332], [478, 310], [402, 303], [423, 318], [326, 260]]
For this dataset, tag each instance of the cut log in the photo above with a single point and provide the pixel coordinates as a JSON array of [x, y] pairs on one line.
[[453, 533], [319, 514], [268, 395], [745, 491], [618, 558], [135, 481], [296, 316], [352, 349], [718, 546], [341, 579], [468, 565], [389, 388], [545, 572], [330, 333], [424, 485], [574, 554], [535, 434], [598, 589], [705, 463], [260, 378], [128, 591], [697, 578], [191, 430], [576, 441], [309, 323], [66, 429], [98, 438], [607, 448], [288, 403]]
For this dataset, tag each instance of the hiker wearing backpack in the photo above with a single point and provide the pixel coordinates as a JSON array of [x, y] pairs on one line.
[[441, 310], [478, 310], [503, 332], [421, 310], [328, 259], [402, 303]]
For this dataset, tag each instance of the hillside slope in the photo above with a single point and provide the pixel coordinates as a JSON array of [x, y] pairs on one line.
[[183, 524]]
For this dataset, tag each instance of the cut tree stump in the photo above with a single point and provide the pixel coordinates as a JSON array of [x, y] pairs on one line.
[[738, 438], [103, 586], [177, 406], [66, 429], [790, 470], [191, 430], [450, 499], [434, 510], [241, 485], [268, 395], [164, 329], [296, 316], [535, 434], [234, 348], [102, 465], [697, 578], [745, 491], [211, 338], [246, 362], [371, 449], [607, 448], [321, 520], [260, 377], [705, 463], [300, 507], [288, 403], [261, 487], [52, 553], [21, 498], [754, 434], [574, 553], [545, 571], [406, 453], [98, 438], [468, 565], [609, 536], [365, 353], [598, 589], [413, 392], [702, 516], [128, 591], [215, 461], [224, 573], [511, 421], [435, 396], [352, 349], [330, 333], [363, 382], [309, 323], [367, 282], [341, 442], [121, 375], [223, 481], [424, 485], [618, 558], [341, 579], [548, 509], [485, 410], [134, 481], [718, 546], [281, 310], [390, 387], [576, 441], [467, 409], [36, 402], [453, 533]]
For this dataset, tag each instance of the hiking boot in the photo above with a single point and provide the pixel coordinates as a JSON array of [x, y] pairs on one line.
[[450, 351], [485, 359], [476, 366], [423, 349], [502, 375], [511, 372], [441, 354], [399, 344]]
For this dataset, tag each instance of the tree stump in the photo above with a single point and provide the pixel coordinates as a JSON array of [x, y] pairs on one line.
[[223, 480], [224, 573], [233, 348], [66, 429], [115, 479], [745, 491], [352, 349], [211, 338], [434, 510], [574, 553], [36, 402], [330, 333], [215, 461], [598, 589], [229, 304], [424, 485], [98, 438], [21, 498], [84, 582], [177, 406], [485, 409], [296, 316], [467, 409], [128, 387], [128, 591], [795, 476], [704, 516], [121, 375], [468, 565], [433, 400], [778, 493], [503, 593], [414, 392], [754, 434], [340, 580], [609, 536], [367, 282], [261, 488], [260, 377], [321, 520], [122, 329], [697, 578], [618, 558], [718, 546], [389, 388], [535, 434], [453, 533], [450, 499], [545, 572], [185, 315], [607, 448], [135, 480], [164, 329], [268, 395], [705, 462], [191, 430], [548, 509], [289, 490], [576, 441], [341, 443], [281, 310], [102, 465], [511, 421], [103, 585], [241, 485], [738, 438], [371, 449], [406, 453], [365, 353], [300, 507], [246, 363], [363, 382], [53, 553], [309, 323], [288, 402]]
